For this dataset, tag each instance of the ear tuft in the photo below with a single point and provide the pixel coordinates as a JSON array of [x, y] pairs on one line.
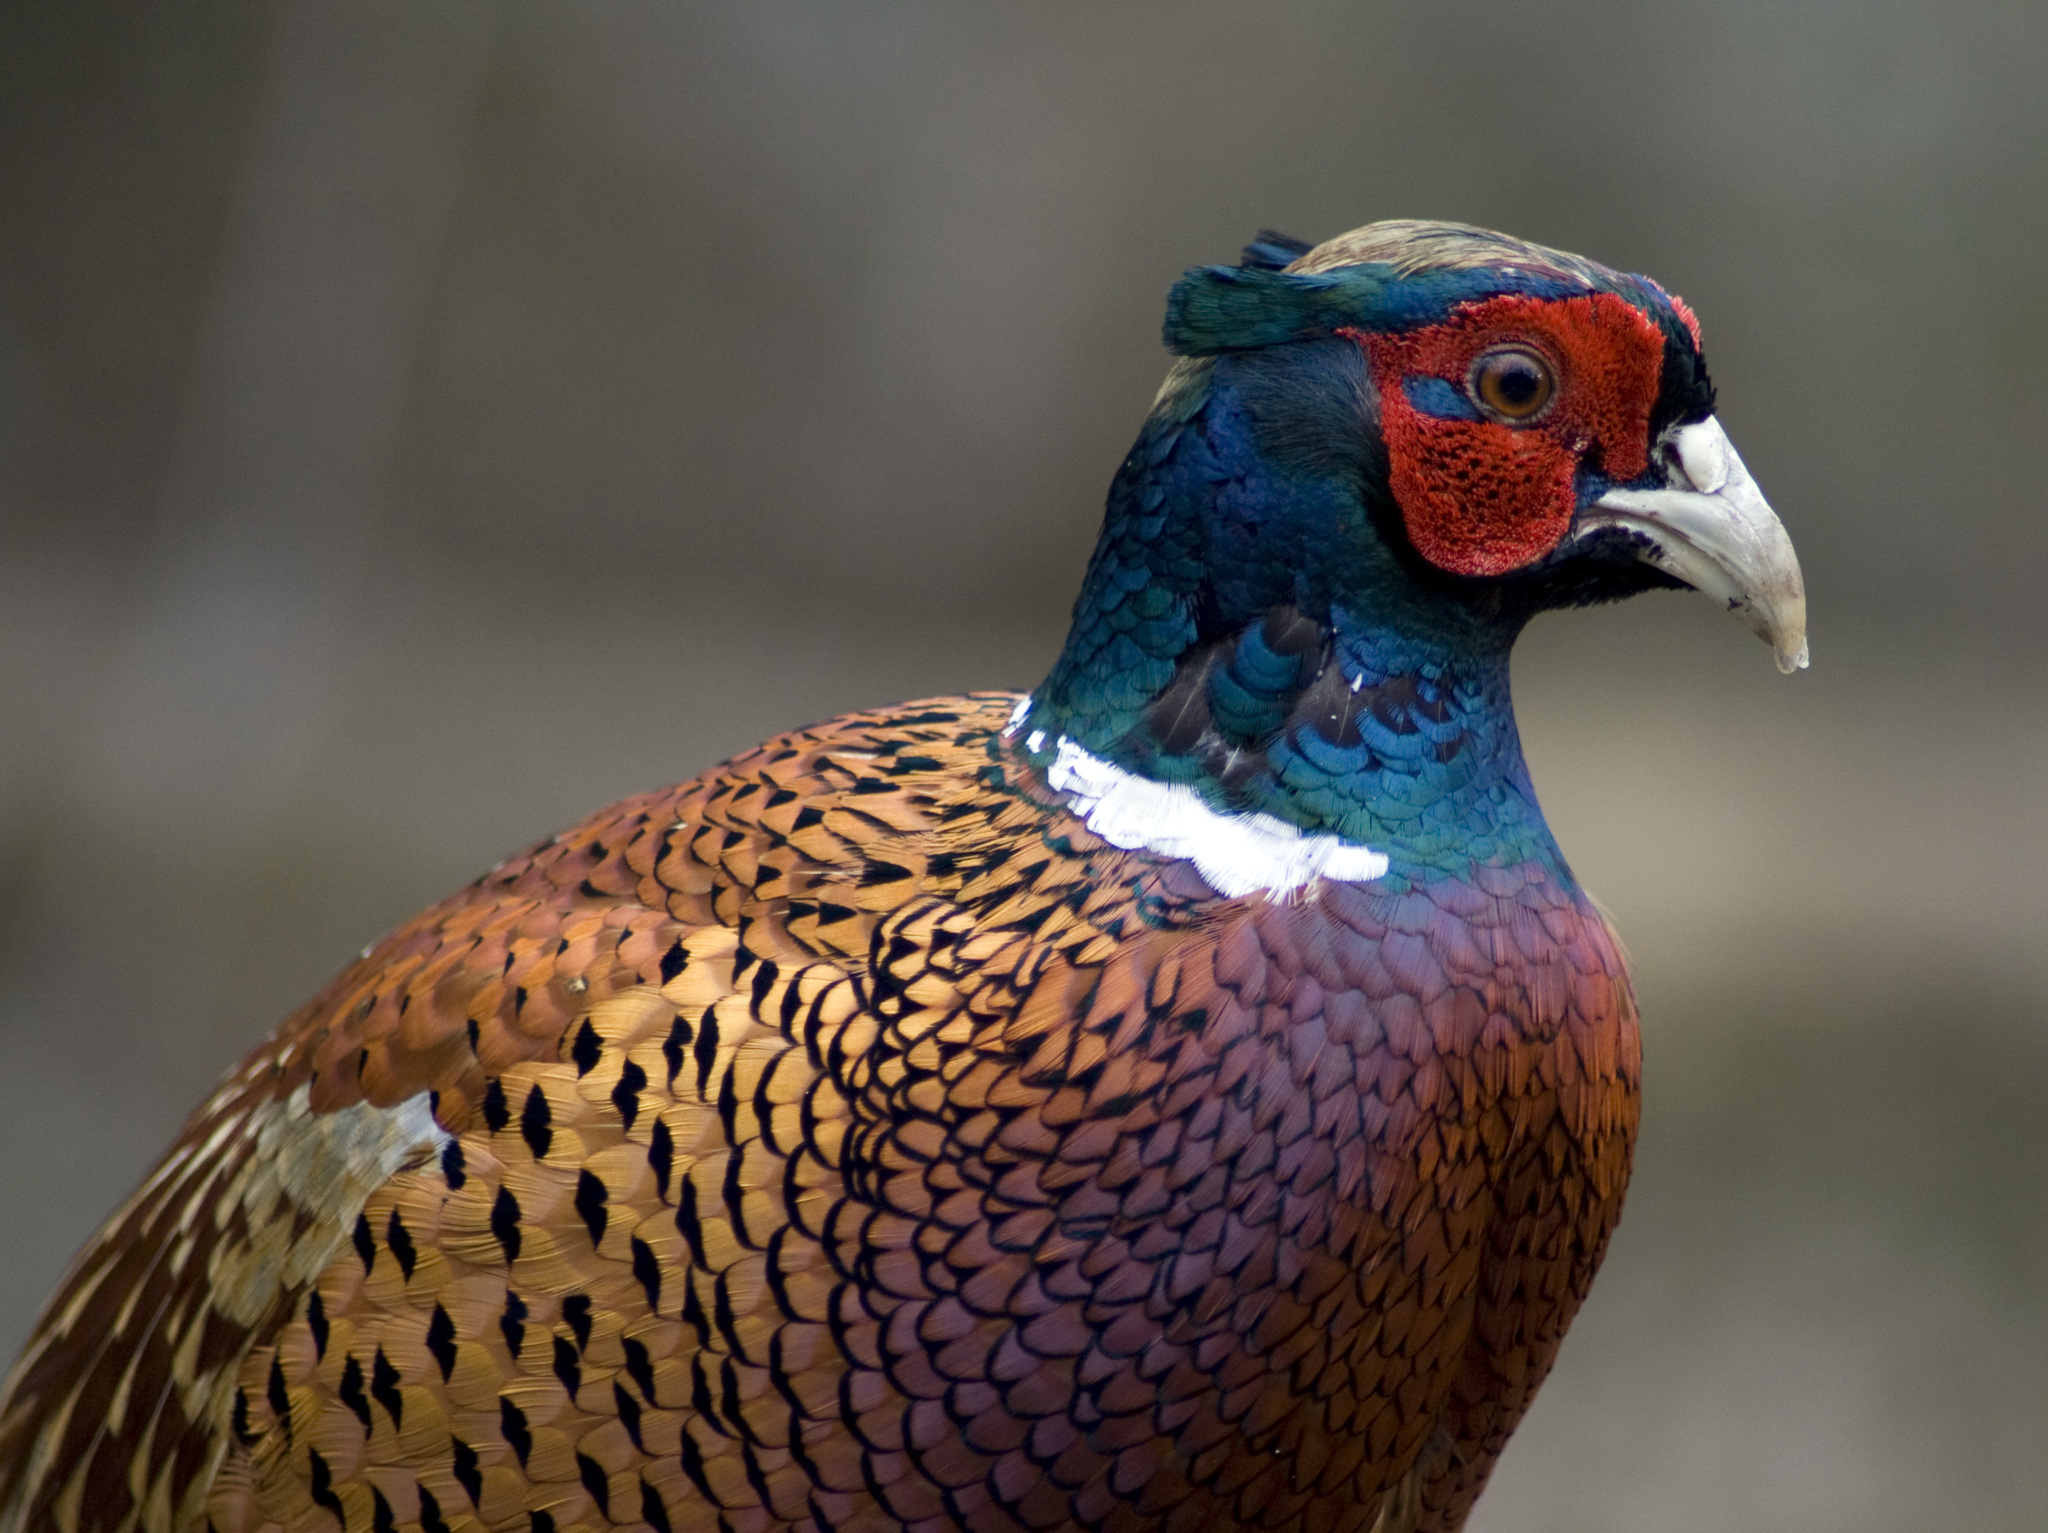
[[1233, 308], [1270, 250]]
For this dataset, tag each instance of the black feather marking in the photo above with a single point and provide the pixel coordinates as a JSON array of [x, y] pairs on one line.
[[567, 1368], [322, 1485], [576, 1311], [496, 1113], [505, 1223], [316, 1322], [648, 1271], [384, 1389], [351, 1391], [595, 1481], [280, 1401], [706, 1050], [686, 1221], [513, 1428], [540, 1522], [735, 1194], [591, 1197], [877, 871], [441, 1341], [629, 1413], [672, 1050], [399, 1238], [729, 1378], [661, 1156], [778, 1287], [240, 1420], [694, 1316], [673, 961], [641, 1368], [589, 1049], [536, 1123], [453, 1167], [467, 1474], [366, 1243], [513, 1323], [693, 1466], [430, 1513], [626, 1095], [768, 973], [653, 1511], [700, 1393], [381, 1520]]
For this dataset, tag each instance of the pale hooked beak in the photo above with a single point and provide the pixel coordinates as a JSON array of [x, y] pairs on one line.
[[1713, 529]]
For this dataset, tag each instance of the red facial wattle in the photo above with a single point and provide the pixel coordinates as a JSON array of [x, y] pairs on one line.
[[1482, 496]]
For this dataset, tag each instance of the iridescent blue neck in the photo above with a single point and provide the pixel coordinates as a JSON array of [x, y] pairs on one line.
[[1246, 631]]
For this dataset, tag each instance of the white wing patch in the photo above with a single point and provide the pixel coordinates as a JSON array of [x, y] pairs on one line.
[[299, 1181], [323, 1165]]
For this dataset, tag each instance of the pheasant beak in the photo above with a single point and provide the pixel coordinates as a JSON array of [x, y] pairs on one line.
[[1712, 528]]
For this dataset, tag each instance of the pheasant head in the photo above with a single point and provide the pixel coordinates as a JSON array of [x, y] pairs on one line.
[[1374, 462]]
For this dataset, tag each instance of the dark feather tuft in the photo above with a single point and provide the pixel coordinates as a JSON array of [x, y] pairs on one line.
[[1270, 250], [1233, 308]]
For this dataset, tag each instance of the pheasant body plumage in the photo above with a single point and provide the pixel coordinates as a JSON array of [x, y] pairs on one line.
[[1195, 1091]]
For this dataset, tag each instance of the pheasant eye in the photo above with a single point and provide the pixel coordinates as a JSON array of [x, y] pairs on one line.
[[1512, 383]]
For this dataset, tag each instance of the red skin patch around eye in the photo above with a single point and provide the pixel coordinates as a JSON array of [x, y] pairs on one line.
[[1484, 498]]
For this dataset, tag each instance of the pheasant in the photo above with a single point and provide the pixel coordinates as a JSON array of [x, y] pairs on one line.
[[1193, 1094]]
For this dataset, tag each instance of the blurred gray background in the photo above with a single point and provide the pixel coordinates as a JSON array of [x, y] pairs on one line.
[[420, 424]]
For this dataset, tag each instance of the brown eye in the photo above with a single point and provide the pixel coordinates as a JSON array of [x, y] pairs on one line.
[[1512, 383]]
